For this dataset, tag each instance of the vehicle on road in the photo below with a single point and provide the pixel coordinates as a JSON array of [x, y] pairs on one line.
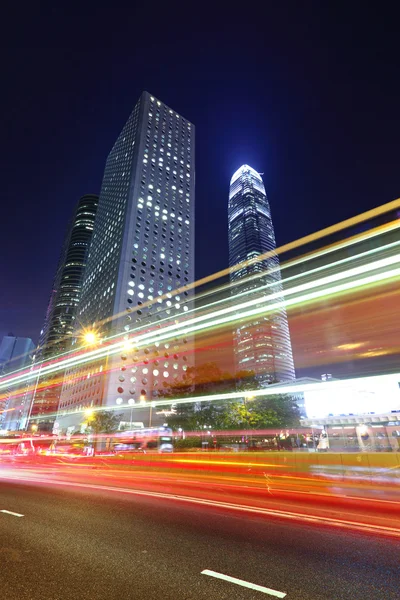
[[153, 439]]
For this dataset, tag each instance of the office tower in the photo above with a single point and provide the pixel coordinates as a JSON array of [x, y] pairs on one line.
[[15, 354], [262, 344], [142, 250], [55, 337]]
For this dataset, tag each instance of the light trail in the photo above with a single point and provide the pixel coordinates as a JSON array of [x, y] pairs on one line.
[[356, 239], [371, 214], [271, 390], [232, 299], [227, 315], [210, 503]]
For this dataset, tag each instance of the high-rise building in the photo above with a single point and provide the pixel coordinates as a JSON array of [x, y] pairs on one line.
[[262, 344], [55, 337], [15, 354], [142, 250]]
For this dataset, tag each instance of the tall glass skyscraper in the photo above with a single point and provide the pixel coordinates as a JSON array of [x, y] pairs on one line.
[[15, 353], [142, 250], [262, 344], [61, 313], [55, 337]]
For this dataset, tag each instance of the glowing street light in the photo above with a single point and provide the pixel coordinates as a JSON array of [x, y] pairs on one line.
[[90, 338]]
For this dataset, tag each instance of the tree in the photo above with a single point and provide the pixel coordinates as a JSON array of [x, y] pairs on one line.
[[279, 410], [103, 421], [200, 380]]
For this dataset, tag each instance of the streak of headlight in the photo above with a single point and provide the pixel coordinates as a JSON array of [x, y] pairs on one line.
[[337, 263], [356, 239], [333, 247], [271, 390], [243, 294], [190, 327], [368, 215], [197, 323]]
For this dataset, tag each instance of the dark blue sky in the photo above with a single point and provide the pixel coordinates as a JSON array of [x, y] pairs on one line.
[[308, 95]]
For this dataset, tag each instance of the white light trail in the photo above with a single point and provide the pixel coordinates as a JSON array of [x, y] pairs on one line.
[[230, 314]]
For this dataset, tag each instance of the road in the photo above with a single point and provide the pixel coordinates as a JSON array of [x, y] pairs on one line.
[[94, 543]]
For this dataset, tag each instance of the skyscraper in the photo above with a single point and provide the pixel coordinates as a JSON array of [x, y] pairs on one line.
[[261, 345], [142, 250], [55, 337], [15, 353]]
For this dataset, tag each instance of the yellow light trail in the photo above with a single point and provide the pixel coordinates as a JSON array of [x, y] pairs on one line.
[[186, 327], [197, 323], [343, 225], [235, 297]]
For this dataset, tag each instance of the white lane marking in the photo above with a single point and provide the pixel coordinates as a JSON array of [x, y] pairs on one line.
[[246, 584], [8, 512], [340, 523]]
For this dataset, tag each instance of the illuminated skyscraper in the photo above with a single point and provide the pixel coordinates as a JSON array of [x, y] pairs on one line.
[[261, 345], [142, 250], [15, 353], [55, 337]]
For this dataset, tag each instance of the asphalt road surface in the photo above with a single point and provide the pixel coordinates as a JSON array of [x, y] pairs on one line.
[[77, 543]]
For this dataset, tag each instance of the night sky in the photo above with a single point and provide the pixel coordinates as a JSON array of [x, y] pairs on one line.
[[307, 95]]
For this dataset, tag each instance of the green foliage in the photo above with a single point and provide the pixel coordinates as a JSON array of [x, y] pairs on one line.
[[191, 417], [279, 410], [103, 422], [261, 413], [187, 443]]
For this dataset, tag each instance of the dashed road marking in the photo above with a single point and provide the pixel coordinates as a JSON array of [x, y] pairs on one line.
[[246, 584], [14, 514]]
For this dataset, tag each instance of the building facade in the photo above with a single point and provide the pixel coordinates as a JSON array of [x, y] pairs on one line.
[[261, 344], [55, 337], [15, 354], [142, 251]]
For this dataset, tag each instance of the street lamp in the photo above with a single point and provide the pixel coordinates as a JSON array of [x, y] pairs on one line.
[[90, 338], [151, 412], [248, 397], [131, 402]]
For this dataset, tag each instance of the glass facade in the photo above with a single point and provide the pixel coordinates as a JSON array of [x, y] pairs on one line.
[[56, 335], [262, 345]]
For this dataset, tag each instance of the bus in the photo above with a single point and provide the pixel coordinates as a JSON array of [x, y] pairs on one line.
[[152, 439]]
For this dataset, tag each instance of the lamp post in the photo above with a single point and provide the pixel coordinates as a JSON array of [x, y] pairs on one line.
[[248, 397], [150, 413], [131, 402]]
